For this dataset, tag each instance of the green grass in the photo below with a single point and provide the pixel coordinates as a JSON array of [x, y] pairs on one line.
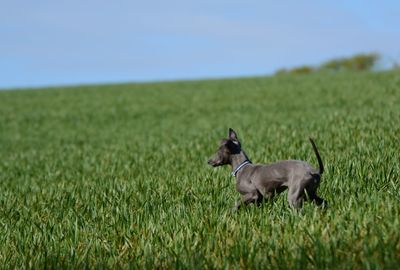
[[116, 176]]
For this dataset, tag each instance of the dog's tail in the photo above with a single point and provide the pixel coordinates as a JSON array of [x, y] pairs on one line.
[[320, 164]]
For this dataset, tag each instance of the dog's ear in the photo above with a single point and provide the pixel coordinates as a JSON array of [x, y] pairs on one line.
[[232, 135], [233, 146]]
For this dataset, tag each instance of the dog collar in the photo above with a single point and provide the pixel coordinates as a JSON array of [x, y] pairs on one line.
[[244, 163]]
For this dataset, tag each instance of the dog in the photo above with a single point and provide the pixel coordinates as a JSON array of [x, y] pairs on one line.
[[256, 182]]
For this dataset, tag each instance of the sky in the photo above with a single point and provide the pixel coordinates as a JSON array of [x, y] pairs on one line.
[[51, 42]]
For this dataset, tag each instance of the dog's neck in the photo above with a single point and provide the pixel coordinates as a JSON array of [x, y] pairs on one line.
[[237, 161]]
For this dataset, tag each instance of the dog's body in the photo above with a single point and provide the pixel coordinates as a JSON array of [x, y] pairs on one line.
[[256, 181]]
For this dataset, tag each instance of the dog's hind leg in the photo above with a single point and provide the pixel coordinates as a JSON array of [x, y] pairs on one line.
[[317, 200], [296, 197], [311, 190]]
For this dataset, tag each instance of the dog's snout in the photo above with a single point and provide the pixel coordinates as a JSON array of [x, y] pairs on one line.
[[212, 162]]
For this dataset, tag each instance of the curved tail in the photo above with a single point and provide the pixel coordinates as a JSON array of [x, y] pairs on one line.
[[320, 164]]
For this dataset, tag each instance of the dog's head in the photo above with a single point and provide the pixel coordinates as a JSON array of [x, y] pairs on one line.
[[227, 148]]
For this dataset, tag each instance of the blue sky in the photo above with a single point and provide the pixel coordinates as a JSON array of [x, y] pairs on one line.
[[73, 42]]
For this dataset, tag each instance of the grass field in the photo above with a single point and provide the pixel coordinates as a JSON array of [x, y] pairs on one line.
[[116, 176]]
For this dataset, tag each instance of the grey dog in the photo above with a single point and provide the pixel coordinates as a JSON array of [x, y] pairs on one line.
[[256, 182]]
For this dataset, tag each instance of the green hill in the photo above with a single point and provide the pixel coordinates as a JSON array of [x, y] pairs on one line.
[[116, 175]]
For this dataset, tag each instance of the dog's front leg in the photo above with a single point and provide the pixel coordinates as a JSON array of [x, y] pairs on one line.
[[237, 206], [251, 197]]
